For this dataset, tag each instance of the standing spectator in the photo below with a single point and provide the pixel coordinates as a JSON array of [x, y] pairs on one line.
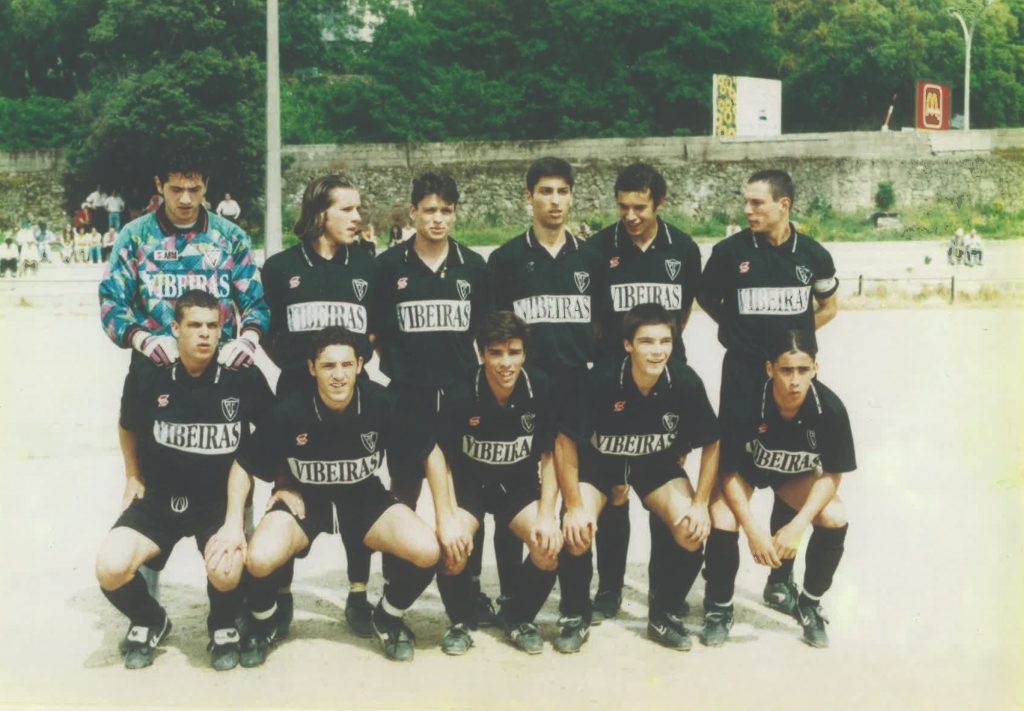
[[154, 204], [29, 258], [584, 231], [115, 206], [96, 203], [25, 235], [95, 242], [109, 237], [8, 258], [82, 218], [367, 239], [44, 240], [229, 208], [396, 235], [67, 244]]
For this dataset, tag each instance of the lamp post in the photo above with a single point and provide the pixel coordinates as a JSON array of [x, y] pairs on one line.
[[968, 27], [272, 216]]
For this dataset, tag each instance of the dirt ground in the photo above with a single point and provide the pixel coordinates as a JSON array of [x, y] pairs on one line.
[[927, 607]]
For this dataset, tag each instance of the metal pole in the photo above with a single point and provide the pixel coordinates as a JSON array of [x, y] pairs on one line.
[[952, 289], [860, 285], [272, 218]]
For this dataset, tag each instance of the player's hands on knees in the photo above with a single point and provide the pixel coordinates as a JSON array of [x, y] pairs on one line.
[[762, 548], [133, 489], [225, 551], [455, 541], [787, 540], [578, 528], [697, 523], [291, 499], [161, 350], [546, 536], [238, 353]]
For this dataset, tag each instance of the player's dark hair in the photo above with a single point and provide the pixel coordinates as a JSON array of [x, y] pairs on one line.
[[646, 315], [316, 199], [332, 336], [434, 184], [182, 161], [194, 297], [638, 177], [794, 341], [548, 167], [779, 183], [500, 327]]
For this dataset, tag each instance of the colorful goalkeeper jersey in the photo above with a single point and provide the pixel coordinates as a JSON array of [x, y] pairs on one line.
[[153, 263]]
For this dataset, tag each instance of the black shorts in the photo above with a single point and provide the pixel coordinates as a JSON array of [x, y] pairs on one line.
[[166, 519], [743, 379], [503, 498], [759, 480], [419, 404], [645, 474], [351, 511], [568, 388]]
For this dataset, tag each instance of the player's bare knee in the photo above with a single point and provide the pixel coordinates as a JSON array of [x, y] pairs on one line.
[[683, 538], [223, 582], [113, 568], [424, 553], [577, 550], [832, 516], [261, 561], [543, 562]]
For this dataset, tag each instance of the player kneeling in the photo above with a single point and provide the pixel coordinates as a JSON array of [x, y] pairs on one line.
[[800, 446], [324, 447], [495, 429], [179, 430], [637, 425]]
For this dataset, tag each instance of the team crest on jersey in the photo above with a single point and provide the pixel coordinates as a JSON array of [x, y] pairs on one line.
[[803, 274], [229, 406], [294, 282], [302, 439], [582, 280], [166, 255], [464, 288], [211, 258], [613, 262], [163, 400], [179, 504], [619, 406], [672, 267], [744, 267], [528, 420], [403, 282], [360, 286], [474, 421], [670, 420], [369, 441], [812, 439]]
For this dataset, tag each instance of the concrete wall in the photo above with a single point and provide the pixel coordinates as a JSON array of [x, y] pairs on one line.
[[31, 188]]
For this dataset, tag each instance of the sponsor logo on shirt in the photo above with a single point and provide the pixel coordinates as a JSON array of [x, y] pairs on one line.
[[474, 421], [339, 471], [302, 439], [317, 315], [171, 286], [359, 286], [774, 300], [672, 268], [582, 280], [744, 267], [179, 504], [166, 255], [783, 461], [294, 282], [502, 452], [613, 262], [229, 407], [626, 296], [553, 308], [433, 315], [637, 445], [163, 400], [403, 282], [198, 438], [619, 406], [369, 440]]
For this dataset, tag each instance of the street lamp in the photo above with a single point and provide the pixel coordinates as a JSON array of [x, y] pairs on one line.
[[968, 36]]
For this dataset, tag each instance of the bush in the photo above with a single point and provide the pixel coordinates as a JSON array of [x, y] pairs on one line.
[[885, 198]]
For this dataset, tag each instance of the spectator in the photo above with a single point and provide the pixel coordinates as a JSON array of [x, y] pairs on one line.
[[109, 237], [81, 246], [96, 204], [732, 228], [29, 258], [955, 253], [8, 258], [584, 231], [115, 206], [24, 235], [396, 235], [82, 218], [367, 238], [972, 244], [155, 201], [95, 242], [67, 244], [228, 208]]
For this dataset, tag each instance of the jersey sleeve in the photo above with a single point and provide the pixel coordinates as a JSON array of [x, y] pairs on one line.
[[701, 424], [481, 295], [131, 405], [271, 281], [837, 455], [691, 277], [576, 419], [546, 428], [497, 278], [825, 281], [117, 292], [262, 455], [713, 281], [247, 288]]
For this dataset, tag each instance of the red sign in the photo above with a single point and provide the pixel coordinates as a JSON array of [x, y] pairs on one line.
[[932, 106]]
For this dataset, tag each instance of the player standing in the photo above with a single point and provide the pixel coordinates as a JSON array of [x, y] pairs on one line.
[[798, 443], [636, 427], [324, 280], [758, 284], [497, 427], [179, 430]]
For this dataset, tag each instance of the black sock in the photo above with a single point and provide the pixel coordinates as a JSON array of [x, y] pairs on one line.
[[722, 557], [824, 551], [782, 514], [357, 556], [675, 569], [261, 593], [662, 545], [405, 583], [283, 576], [574, 575], [135, 602], [508, 554], [457, 596], [224, 607], [534, 587], [475, 564], [612, 544]]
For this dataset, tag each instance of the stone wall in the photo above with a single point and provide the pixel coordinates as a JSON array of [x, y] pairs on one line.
[[704, 174], [32, 188]]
